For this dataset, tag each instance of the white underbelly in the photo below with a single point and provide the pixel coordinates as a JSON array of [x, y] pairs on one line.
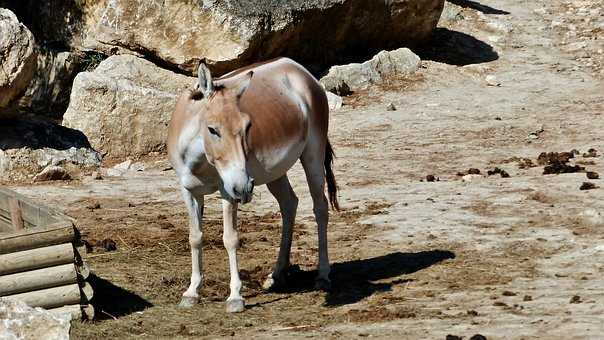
[[270, 165]]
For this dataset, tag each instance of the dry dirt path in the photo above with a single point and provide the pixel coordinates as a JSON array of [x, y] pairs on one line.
[[502, 257]]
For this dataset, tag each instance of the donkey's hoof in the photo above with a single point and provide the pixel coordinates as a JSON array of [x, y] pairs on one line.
[[271, 283], [188, 302], [323, 284], [235, 306]]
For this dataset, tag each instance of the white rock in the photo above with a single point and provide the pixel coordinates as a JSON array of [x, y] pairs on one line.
[[19, 321], [471, 177], [342, 79], [123, 166], [334, 101], [492, 80]]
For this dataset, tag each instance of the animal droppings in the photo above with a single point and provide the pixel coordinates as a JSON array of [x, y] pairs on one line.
[[592, 175], [588, 186]]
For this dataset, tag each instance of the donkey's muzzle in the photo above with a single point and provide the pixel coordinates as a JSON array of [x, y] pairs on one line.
[[245, 193]]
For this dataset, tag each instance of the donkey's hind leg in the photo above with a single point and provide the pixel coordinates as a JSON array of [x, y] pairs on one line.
[[288, 204], [312, 160]]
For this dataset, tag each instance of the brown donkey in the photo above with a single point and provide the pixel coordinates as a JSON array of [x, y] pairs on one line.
[[247, 128]]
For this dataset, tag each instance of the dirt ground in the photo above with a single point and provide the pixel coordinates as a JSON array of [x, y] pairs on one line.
[[509, 258]]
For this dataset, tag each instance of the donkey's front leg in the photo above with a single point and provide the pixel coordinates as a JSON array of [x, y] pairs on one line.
[[230, 238], [195, 208]]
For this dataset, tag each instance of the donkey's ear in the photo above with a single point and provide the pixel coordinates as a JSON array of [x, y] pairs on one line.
[[243, 84], [204, 81]]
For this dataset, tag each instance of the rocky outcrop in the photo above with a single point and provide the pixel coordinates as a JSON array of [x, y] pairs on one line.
[[124, 105], [344, 79], [19, 321], [228, 34], [28, 145], [48, 91], [17, 62]]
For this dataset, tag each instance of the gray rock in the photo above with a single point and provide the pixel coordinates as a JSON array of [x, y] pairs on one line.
[[228, 34], [334, 101], [52, 173], [17, 62], [123, 166], [124, 105], [354, 77], [19, 164], [390, 107], [19, 321]]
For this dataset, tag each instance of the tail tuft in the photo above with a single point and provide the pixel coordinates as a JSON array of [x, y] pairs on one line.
[[332, 186]]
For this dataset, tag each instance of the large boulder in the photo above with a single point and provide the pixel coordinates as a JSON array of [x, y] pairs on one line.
[[124, 105], [19, 321], [228, 34], [343, 79], [17, 61]]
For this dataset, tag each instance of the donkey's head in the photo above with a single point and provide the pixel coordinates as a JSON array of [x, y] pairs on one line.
[[225, 129]]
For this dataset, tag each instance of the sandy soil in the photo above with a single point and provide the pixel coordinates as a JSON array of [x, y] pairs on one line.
[[508, 258]]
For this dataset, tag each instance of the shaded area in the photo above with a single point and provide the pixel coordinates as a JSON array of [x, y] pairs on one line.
[[35, 133], [111, 301], [352, 281], [456, 48], [478, 6]]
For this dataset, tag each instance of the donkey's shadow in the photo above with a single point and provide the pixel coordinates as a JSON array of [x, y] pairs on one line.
[[352, 281]]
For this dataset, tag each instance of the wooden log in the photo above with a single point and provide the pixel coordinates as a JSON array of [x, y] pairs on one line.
[[86, 292], [16, 214], [83, 271], [57, 233], [38, 279], [50, 297], [74, 310], [36, 258], [88, 311]]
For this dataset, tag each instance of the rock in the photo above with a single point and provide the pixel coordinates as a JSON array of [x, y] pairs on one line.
[[113, 172], [20, 163], [390, 107], [52, 173], [48, 92], [28, 145], [228, 34], [470, 177], [124, 105], [354, 77], [138, 166], [18, 62], [123, 166], [492, 80], [19, 321], [334, 101]]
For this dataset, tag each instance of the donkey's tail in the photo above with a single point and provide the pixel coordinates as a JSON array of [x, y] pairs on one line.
[[332, 186]]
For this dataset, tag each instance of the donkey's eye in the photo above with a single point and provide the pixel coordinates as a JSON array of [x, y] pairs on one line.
[[213, 131]]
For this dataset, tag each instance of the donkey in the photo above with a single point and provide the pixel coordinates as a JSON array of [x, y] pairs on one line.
[[247, 128]]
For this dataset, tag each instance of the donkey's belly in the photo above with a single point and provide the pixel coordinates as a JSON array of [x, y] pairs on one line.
[[268, 165]]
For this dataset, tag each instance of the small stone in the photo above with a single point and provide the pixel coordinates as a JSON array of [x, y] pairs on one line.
[[492, 80], [508, 293], [432, 178], [123, 166], [473, 171], [333, 101], [52, 173], [527, 298], [390, 107], [470, 177]]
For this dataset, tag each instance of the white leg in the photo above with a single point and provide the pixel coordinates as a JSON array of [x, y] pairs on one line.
[[230, 238], [288, 204], [315, 176], [195, 208]]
